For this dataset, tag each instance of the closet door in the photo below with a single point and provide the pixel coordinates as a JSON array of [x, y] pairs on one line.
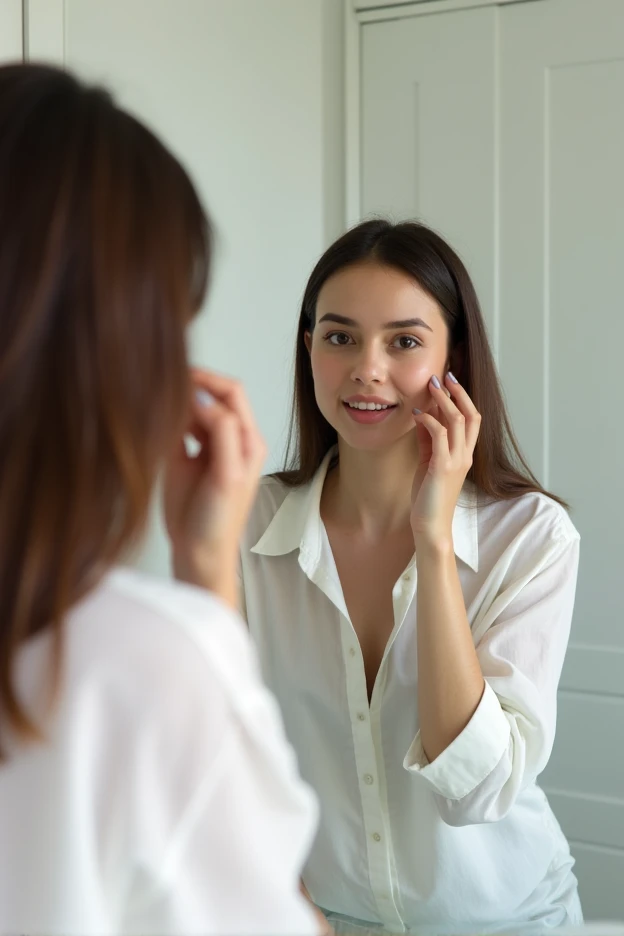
[[561, 346], [503, 126], [427, 130]]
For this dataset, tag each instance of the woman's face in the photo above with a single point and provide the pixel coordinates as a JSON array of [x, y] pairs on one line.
[[378, 340]]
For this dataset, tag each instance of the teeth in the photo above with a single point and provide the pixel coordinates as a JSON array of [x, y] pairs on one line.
[[368, 406]]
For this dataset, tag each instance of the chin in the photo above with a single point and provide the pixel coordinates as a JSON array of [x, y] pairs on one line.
[[370, 439]]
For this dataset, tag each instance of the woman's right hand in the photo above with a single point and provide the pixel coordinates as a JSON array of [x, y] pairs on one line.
[[208, 496]]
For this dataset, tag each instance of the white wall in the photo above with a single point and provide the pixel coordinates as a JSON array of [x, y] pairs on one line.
[[10, 30], [249, 94]]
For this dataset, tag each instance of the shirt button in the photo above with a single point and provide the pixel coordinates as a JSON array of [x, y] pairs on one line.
[[376, 837], [361, 716], [352, 651], [368, 778]]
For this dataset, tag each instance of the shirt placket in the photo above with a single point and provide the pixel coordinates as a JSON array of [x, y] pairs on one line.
[[376, 819], [365, 725]]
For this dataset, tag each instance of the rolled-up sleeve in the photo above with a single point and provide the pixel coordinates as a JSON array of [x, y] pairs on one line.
[[508, 741]]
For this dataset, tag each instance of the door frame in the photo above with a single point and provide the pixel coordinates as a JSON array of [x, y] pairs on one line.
[[372, 10]]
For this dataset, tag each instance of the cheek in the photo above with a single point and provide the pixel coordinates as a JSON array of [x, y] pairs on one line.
[[327, 371], [414, 379]]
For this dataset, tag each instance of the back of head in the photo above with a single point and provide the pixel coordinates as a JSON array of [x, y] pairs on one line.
[[104, 256]]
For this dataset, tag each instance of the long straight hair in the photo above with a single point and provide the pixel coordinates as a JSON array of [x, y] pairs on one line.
[[499, 468], [104, 259]]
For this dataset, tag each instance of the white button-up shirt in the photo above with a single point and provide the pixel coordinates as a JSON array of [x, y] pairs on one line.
[[468, 840], [164, 799]]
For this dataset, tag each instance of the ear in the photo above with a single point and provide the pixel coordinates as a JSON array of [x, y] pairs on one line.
[[308, 341]]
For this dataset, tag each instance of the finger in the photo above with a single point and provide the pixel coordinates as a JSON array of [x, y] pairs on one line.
[[200, 426], [220, 458], [435, 411], [463, 402], [187, 447], [453, 417], [206, 412], [440, 452], [227, 460], [231, 394], [424, 437], [424, 444]]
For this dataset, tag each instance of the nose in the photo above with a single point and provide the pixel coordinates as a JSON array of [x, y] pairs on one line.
[[368, 368]]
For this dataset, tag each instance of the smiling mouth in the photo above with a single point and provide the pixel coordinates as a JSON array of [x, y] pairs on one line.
[[370, 406], [369, 414]]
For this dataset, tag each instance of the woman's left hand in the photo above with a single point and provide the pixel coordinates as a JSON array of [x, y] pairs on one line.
[[208, 495], [447, 436]]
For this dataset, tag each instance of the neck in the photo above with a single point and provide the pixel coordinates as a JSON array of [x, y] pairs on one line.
[[371, 491]]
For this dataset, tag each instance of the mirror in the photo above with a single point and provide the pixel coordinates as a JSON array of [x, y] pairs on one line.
[[499, 125]]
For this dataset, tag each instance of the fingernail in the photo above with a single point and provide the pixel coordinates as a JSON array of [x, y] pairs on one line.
[[435, 382], [204, 398], [416, 412], [192, 446], [452, 377]]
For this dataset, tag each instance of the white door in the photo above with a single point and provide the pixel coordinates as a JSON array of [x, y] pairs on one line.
[[561, 347], [10, 30], [503, 127], [427, 125]]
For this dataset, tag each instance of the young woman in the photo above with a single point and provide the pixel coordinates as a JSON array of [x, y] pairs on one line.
[[145, 783], [410, 586]]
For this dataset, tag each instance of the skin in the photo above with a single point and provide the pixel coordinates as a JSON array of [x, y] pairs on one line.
[[402, 475], [208, 495]]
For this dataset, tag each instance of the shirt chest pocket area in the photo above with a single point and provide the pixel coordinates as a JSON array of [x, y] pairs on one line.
[[298, 632]]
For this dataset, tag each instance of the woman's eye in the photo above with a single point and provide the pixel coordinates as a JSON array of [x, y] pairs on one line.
[[338, 338], [406, 342]]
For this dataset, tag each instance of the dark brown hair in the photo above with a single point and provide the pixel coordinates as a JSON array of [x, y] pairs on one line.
[[104, 259], [499, 469]]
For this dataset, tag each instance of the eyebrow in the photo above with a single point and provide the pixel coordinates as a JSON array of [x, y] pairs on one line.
[[403, 323]]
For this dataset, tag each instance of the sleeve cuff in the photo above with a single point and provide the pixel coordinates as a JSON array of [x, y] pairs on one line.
[[468, 759]]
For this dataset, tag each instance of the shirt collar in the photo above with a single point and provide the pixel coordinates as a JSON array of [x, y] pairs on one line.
[[297, 522]]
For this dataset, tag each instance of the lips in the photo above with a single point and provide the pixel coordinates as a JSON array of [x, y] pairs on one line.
[[369, 412]]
